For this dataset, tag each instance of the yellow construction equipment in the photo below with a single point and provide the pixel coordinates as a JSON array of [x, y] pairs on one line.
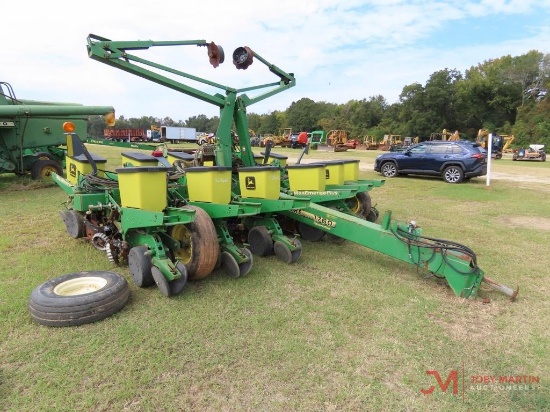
[[508, 139], [389, 140]]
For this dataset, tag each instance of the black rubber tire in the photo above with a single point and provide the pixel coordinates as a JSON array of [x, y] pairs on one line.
[[296, 253], [161, 281], [373, 215], [388, 169], [231, 265], [310, 233], [78, 298], [364, 199], [453, 174], [74, 223], [246, 267], [282, 251], [177, 285], [43, 168], [200, 250], [140, 264], [260, 241]]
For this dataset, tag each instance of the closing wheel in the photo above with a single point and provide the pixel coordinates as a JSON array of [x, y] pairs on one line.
[[74, 223], [176, 286], [78, 298], [231, 265], [140, 264], [260, 241], [161, 281], [310, 233], [199, 246], [43, 169], [245, 267]]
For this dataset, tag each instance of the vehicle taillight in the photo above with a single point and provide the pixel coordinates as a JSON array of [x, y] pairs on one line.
[[478, 156]]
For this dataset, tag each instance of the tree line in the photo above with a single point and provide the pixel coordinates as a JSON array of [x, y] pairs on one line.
[[507, 95]]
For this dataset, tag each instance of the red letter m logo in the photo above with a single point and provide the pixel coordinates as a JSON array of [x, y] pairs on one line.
[[453, 377]]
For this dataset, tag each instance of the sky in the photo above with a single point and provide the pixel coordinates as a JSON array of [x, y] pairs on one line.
[[338, 50]]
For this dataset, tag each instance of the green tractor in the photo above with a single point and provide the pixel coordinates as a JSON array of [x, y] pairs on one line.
[[182, 215], [30, 138]]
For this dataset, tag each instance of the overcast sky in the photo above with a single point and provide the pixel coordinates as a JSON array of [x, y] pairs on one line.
[[339, 50]]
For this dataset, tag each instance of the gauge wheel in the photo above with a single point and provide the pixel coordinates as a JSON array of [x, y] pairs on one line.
[[74, 223], [310, 233], [43, 169], [140, 264], [260, 241], [199, 246], [78, 298], [389, 169], [177, 285], [453, 174], [282, 251]]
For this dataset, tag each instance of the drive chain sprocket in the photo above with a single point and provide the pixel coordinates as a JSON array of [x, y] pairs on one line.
[[100, 241]]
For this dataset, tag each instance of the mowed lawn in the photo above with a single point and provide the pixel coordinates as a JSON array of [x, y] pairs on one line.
[[343, 329]]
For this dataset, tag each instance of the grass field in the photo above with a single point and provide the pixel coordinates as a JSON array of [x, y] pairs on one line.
[[343, 329]]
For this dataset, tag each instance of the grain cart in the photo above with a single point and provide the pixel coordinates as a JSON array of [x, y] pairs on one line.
[[185, 230], [30, 137]]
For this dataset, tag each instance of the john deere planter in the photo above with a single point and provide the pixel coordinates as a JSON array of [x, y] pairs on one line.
[[185, 214]]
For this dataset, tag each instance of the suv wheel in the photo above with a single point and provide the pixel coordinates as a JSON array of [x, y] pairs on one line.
[[389, 169], [453, 174]]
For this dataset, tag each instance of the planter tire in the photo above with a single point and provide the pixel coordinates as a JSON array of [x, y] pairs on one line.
[[78, 298]]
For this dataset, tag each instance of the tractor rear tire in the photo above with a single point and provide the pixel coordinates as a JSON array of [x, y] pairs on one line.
[[43, 169], [199, 248], [78, 298]]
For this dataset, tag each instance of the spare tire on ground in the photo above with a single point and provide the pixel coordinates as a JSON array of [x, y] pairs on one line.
[[78, 298]]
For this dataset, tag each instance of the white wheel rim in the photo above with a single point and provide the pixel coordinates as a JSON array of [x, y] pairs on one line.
[[80, 286]]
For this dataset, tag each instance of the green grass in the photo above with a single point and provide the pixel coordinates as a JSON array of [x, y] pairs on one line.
[[345, 328]]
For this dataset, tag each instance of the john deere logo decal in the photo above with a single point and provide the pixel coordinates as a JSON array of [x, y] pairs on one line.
[[327, 174], [250, 183], [72, 170]]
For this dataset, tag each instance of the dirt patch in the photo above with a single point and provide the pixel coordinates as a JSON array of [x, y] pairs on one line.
[[528, 222]]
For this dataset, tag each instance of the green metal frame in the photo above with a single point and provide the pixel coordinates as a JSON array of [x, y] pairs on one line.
[[327, 211]]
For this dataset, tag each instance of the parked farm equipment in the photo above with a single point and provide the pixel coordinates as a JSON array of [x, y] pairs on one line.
[[533, 152], [184, 215], [30, 132]]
